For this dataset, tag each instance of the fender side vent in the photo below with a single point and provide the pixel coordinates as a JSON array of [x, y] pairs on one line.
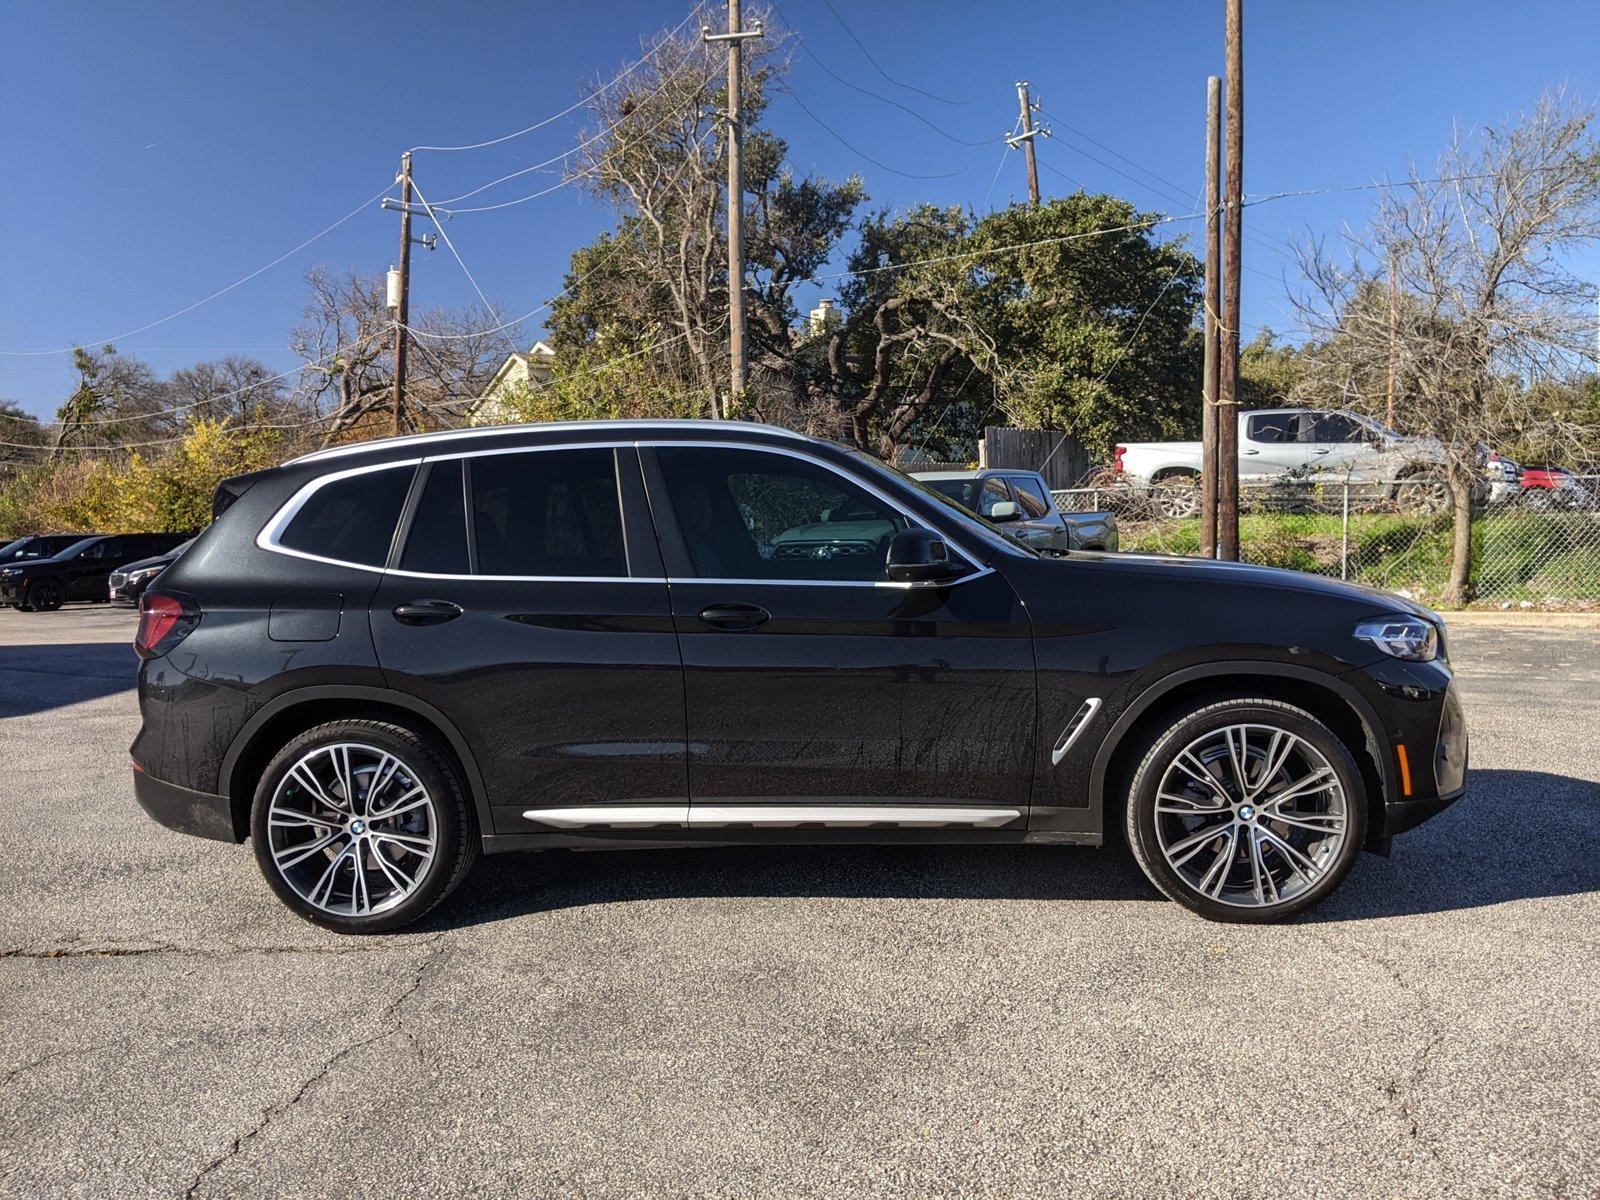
[[1080, 722]]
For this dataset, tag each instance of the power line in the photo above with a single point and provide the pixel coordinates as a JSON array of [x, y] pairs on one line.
[[214, 295], [878, 66], [454, 253], [634, 66], [857, 151], [855, 87]]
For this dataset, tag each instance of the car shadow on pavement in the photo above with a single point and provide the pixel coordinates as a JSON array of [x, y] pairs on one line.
[[506, 886], [1517, 835], [38, 678]]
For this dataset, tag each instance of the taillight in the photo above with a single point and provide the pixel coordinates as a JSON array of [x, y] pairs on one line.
[[164, 621], [1120, 451]]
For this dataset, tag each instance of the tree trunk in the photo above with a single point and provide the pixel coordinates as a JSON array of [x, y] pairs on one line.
[[1459, 591]]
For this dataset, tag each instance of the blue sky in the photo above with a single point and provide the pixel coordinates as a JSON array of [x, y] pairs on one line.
[[153, 153]]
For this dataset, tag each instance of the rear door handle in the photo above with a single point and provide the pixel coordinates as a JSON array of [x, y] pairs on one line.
[[1252, 452], [426, 612], [735, 616]]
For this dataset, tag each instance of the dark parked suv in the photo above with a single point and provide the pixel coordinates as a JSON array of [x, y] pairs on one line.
[[383, 659], [81, 571]]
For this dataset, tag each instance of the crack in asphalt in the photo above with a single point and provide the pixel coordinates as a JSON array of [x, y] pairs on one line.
[[395, 1022], [1400, 1091], [178, 951], [66, 1052]]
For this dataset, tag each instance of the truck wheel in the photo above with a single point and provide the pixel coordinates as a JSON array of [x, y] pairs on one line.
[[1177, 496], [1247, 810], [1425, 493]]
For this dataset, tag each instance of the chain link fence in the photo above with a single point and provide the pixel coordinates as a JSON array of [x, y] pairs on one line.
[[1530, 546]]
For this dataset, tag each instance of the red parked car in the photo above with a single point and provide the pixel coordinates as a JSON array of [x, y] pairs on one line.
[[1554, 487]]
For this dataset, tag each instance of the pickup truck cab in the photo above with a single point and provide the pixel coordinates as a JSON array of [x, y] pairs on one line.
[[1314, 444], [1021, 502]]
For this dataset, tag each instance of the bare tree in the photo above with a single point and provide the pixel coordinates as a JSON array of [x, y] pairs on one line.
[[118, 399], [234, 387], [346, 338], [1488, 303]]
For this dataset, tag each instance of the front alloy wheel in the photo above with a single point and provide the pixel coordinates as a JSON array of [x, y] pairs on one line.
[[361, 826], [1247, 810]]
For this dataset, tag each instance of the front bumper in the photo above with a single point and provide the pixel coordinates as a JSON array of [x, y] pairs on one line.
[[1424, 738], [197, 813], [10, 592]]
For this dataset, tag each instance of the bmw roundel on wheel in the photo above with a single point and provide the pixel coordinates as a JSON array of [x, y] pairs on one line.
[[383, 660]]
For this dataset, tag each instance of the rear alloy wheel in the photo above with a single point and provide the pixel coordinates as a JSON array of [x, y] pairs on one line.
[[1177, 496], [1425, 493], [1247, 810], [362, 826], [45, 596]]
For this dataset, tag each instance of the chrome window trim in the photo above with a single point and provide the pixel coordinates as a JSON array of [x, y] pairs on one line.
[[270, 536]]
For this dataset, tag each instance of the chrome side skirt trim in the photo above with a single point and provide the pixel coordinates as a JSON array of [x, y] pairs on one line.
[[1080, 722], [611, 816], [773, 816]]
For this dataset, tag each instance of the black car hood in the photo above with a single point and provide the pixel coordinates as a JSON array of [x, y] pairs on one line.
[[1180, 568]]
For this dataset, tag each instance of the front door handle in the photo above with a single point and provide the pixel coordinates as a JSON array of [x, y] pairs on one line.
[[735, 616], [1252, 452], [426, 612]]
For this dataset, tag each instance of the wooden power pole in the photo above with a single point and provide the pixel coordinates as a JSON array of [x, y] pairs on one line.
[[1208, 418], [403, 309], [1025, 140], [735, 37], [1388, 408], [1232, 235]]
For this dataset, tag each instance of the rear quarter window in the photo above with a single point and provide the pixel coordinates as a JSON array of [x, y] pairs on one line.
[[351, 519]]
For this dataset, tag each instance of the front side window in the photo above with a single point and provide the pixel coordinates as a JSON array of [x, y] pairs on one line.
[[351, 519], [1336, 427], [1031, 495], [547, 513], [994, 492], [746, 514]]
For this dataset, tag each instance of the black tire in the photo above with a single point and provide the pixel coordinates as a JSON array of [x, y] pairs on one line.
[[45, 596], [1186, 727], [457, 842]]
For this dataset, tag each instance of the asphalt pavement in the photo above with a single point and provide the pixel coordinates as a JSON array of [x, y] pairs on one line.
[[927, 1021]]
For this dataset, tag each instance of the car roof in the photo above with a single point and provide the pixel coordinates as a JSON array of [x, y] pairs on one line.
[[427, 442]]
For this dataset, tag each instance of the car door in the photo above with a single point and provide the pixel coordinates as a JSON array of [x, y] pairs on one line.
[[525, 600], [1339, 445], [87, 574], [1270, 444], [816, 689], [1041, 526]]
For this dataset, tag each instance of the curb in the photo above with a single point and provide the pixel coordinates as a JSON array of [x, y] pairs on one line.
[[1526, 620]]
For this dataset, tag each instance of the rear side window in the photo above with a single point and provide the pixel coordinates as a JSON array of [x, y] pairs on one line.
[[1274, 428], [351, 519], [437, 543], [552, 512]]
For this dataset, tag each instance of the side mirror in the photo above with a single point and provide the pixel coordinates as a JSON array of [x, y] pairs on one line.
[[921, 556], [1005, 510]]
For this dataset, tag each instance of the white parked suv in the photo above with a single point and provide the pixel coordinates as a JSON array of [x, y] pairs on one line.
[[1316, 445]]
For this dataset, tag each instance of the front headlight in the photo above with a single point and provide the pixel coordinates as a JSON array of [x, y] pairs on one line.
[[1407, 637], [140, 576]]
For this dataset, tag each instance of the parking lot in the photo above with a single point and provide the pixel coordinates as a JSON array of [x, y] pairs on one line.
[[908, 1021]]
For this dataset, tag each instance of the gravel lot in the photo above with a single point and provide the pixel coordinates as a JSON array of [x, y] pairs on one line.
[[817, 1022]]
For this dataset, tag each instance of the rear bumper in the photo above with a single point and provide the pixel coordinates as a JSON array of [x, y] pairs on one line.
[[197, 813]]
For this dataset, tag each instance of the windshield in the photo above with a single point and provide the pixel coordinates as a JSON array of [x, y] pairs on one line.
[[1375, 425], [30, 548], [968, 518]]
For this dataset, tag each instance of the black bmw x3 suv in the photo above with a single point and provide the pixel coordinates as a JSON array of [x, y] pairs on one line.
[[382, 660]]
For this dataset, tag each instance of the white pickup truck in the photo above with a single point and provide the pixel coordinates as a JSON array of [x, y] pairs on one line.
[[1312, 444]]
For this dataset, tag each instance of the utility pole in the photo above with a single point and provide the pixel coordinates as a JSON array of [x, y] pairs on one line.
[[1394, 316], [1209, 461], [403, 309], [400, 291], [735, 37], [1025, 139], [1232, 235]]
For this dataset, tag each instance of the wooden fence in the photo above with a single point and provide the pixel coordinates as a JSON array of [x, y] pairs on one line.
[[1059, 456]]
